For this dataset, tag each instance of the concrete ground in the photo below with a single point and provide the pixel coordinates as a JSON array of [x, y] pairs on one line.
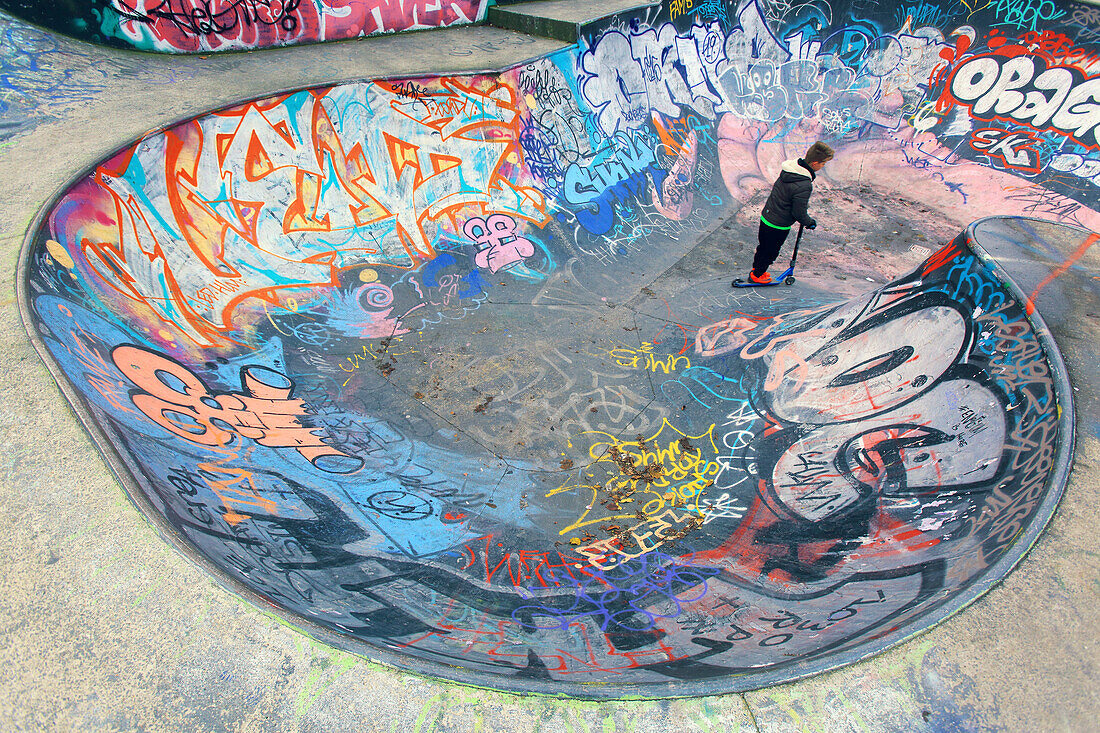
[[104, 627]]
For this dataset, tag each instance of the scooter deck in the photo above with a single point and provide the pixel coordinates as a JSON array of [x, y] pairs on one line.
[[784, 279]]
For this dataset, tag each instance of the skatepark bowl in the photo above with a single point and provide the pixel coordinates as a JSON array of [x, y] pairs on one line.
[[437, 368]]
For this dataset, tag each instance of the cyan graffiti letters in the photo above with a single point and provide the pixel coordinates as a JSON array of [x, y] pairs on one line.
[[616, 172], [1025, 14]]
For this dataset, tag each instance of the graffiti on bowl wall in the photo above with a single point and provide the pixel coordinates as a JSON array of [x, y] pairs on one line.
[[377, 350]]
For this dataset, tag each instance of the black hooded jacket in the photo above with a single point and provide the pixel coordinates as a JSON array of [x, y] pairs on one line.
[[790, 196]]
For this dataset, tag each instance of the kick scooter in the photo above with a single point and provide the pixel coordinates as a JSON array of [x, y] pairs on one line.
[[785, 278]]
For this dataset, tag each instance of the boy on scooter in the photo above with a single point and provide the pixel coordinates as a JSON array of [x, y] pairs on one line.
[[787, 204]]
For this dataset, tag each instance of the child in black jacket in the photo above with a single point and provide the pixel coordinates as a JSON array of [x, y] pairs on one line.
[[787, 204]]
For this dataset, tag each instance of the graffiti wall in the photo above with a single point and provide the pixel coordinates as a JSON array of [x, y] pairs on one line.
[[182, 26], [387, 354]]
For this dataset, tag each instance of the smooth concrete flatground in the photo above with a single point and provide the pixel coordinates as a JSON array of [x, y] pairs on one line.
[[104, 627]]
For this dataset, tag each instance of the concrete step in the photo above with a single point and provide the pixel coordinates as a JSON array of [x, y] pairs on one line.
[[561, 20]]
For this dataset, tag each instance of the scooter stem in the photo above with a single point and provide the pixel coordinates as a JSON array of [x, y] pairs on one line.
[[797, 239]]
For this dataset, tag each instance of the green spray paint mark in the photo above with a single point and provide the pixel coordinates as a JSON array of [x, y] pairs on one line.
[[111, 562], [156, 584], [853, 712], [440, 700], [317, 681], [325, 668], [808, 708]]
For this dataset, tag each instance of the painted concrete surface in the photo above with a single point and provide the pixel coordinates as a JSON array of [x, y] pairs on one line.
[[339, 343], [111, 629], [186, 26]]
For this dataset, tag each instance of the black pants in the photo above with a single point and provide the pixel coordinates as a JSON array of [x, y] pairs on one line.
[[771, 240]]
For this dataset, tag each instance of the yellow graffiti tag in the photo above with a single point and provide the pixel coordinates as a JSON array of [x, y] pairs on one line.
[[644, 358]]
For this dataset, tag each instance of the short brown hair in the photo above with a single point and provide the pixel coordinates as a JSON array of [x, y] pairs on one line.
[[819, 152]]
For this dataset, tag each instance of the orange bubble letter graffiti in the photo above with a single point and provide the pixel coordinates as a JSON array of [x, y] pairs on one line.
[[170, 395]]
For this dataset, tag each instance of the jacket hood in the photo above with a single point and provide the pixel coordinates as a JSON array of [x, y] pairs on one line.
[[793, 166]]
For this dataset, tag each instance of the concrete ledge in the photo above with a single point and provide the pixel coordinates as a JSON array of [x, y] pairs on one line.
[[558, 19]]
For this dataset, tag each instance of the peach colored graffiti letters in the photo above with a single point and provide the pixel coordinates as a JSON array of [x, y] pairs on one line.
[[723, 337], [264, 412]]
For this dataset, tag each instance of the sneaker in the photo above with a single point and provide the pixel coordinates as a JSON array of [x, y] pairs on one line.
[[764, 279]]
